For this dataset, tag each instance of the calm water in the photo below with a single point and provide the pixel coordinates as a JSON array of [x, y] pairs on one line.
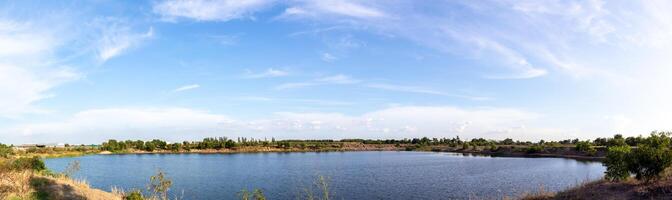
[[354, 175]]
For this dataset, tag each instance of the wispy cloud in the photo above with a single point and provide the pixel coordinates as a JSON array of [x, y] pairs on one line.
[[209, 10], [327, 57], [346, 8], [269, 73], [339, 79], [421, 90], [117, 37], [186, 87], [298, 100], [28, 69]]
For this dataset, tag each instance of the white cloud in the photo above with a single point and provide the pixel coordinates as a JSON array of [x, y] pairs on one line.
[[186, 87], [186, 124], [116, 38], [339, 79], [97, 125], [28, 69], [269, 73], [209, 10], [334, 8], [420, 90]]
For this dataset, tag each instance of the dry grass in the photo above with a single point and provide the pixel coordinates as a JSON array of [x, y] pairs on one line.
[[28, 185], [15, 185], [602, 189]]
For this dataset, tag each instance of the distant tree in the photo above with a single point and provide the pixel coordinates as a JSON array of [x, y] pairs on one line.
[[617, 140], [585, 147], [600, 142], [507, 141]]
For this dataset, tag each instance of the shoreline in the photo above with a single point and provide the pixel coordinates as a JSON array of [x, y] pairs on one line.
[[533, 155], [484, 152]]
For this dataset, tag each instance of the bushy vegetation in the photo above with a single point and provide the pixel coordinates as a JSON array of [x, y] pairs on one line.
[[32, 163], [616, 162], [586, 147], [647, 161]]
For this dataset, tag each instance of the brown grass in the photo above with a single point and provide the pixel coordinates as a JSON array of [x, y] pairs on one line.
[[603, 189], [28, 185]]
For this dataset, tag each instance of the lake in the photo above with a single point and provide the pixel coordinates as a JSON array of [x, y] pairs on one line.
[[352, 175]]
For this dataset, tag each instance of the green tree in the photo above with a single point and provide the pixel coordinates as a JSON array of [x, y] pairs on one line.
[[617, 163], [617, 140]]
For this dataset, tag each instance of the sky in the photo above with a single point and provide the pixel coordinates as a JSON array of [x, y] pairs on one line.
[[88, 71]]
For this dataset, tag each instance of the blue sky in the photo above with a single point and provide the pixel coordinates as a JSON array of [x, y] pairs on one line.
[[86, 71]]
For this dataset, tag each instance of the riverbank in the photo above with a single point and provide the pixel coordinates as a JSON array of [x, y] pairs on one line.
[[498, 151], [528, 151], [630, 189], [27, 178], [345, 146]]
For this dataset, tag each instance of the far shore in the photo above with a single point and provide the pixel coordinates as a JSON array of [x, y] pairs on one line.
[[503, 151]]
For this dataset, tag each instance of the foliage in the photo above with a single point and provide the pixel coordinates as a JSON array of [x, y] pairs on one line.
[[134, 195], [159, 185], [648, 161], [322, 185], [617, 140], [5, 151], [535, 149], [617, 163], [33, 163], [257, 194], [585, 147]]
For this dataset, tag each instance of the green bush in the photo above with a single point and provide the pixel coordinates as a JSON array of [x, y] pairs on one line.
[[535, 149], [647, 162], [617, 163], [34, 163], [134, 195], [584, 146], [5, 151]]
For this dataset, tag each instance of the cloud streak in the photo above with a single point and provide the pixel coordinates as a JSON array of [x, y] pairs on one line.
[[209, 10], [339, 79], [186, 87], [117, 38], [420, 90], [269, 73]]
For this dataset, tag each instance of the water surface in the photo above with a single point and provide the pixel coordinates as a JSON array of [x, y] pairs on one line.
[[353, 175]]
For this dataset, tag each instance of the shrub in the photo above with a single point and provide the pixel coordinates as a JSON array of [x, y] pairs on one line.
[[584, 146], [535, 149], [5, 151], [647, 162], [159, 185], [134, 195], [34, 163], [258, 194], [493, 147], [617, 163]]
